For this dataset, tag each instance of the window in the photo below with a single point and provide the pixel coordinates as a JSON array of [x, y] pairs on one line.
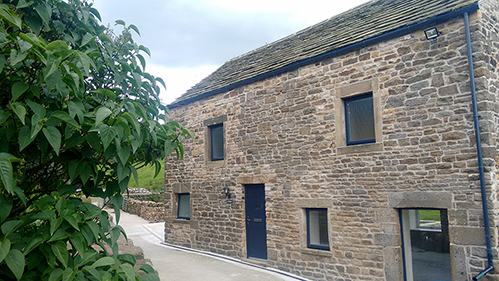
[[359, 119], [217, 142], [214, 141], [184, 206], [317, 229]]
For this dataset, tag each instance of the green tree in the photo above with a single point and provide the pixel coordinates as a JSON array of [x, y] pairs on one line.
[[78, 116]]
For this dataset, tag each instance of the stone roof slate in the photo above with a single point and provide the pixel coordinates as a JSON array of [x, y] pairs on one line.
[[372, 19]]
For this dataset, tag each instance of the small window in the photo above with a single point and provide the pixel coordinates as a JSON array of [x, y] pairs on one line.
[[359, 119], [317, 229], [184, 206], [217, 142]]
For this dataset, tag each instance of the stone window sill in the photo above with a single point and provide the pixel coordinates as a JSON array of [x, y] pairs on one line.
[[315, 252], [369, 147]]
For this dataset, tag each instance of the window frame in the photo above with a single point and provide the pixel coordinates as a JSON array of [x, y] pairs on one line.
[[346, 101], [216, 121], [350, 91], [212, 141], [307, 217], [179, 195]]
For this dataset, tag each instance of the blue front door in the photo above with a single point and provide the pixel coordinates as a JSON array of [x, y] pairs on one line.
[[256, 226]]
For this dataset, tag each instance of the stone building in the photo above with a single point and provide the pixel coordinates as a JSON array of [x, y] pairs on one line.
[[347, 150]]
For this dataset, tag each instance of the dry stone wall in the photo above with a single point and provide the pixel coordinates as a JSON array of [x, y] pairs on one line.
[[282, 132]]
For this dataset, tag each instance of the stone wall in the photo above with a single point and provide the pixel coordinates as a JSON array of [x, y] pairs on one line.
[[148, 210], [283, 132]]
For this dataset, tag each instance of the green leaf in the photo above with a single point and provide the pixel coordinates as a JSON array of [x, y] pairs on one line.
[[68, 274], [16, 262], [3, 61], [54, 137], [25, 137], [72, 221], [170, 147], [36, 126], [10, 226], [60, 251], [146, 50], [57, 45], [93, 140], [54, 225], [5, 208], [120, 22], [86, 39], [128, 258], [44, 11], [132, 120], [129, 271], [16, 57], [10, 16], [6, 175], [23, 4], [142, 61], [134, 28], [115, 234], [104, 261], [18, 89], [95, 13], [78, 242], [4, 249], [3, 116], [93, 272], [66, 118], [37, 108], [107, 135], [135, 174], [37, 239], [59, 235], [123, 153], [87, 257], [56, 274], [19, 110], [102, 113], [149, 277]]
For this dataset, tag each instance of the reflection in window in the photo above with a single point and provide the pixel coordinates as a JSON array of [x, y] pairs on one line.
[[359, 119], [217, 142], [184, 206], [317, 229]]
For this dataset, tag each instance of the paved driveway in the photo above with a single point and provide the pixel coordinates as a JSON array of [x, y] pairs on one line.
[[176, 264]]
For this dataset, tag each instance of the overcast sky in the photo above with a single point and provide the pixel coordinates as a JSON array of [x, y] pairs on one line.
[[189, 39]]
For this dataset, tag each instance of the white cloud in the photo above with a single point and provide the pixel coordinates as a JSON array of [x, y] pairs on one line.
[[178, 80]]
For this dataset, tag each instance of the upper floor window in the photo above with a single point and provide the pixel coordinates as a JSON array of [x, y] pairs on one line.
[[217, 142], [359, 119], [214, 141]]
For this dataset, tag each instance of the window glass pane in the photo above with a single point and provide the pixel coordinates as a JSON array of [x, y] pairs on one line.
[[217, 142], [184, 208], [360, 119], [317, 228]]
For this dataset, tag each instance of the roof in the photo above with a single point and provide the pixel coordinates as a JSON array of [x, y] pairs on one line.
[[362, 26]]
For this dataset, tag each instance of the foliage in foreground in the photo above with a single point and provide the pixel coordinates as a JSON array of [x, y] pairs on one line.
[[78, 115]]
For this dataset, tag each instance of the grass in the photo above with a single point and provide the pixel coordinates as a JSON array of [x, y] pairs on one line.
[[147, 179], [429, 215]]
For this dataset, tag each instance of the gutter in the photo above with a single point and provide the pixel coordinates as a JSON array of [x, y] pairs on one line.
[[479, 152], [334, 53]]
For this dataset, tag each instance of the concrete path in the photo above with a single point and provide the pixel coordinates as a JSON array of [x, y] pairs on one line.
[[177, 264]]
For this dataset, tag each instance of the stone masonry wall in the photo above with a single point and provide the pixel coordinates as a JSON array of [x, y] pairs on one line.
[[282, 132]]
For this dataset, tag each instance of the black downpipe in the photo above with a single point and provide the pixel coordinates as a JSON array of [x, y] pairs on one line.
[[479, 152]]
